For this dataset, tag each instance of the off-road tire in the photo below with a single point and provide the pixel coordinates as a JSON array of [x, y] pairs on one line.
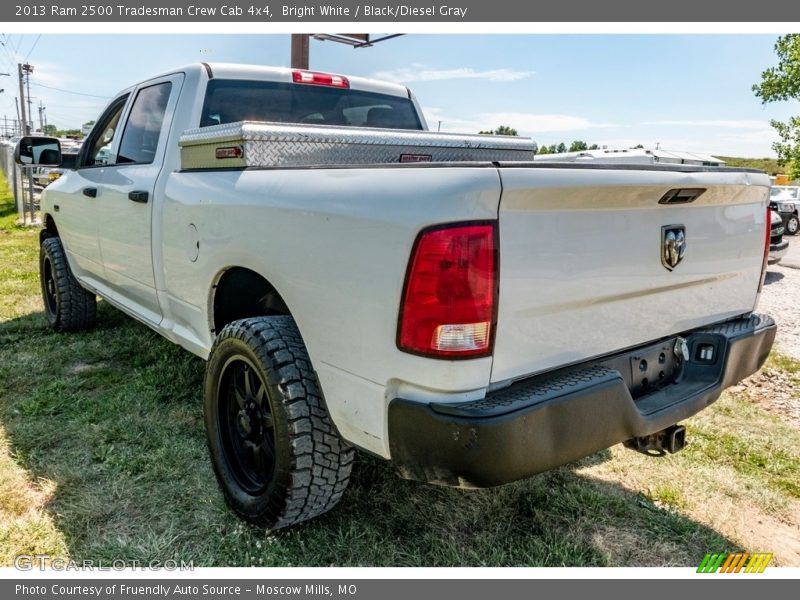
[[310, 465], [792, 225], [67, 305]]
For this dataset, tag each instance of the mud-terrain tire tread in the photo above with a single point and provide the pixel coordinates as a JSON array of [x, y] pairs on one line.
[[317, 472], [76, 307]]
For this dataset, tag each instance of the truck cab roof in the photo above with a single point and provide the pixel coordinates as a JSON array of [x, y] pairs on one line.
[[284, 74]]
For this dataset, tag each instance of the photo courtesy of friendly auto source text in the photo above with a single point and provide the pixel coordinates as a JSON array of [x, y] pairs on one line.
[[281, 297]]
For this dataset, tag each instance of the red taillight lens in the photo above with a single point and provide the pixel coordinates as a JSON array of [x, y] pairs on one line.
[[450, 295], [315, 78], [768, 235]]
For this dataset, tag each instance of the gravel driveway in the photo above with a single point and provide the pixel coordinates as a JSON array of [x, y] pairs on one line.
[[781, 299], [774, 389]]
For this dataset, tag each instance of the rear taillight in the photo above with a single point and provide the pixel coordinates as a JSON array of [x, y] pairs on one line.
[[767, 237], [315, 78], [450, 296]]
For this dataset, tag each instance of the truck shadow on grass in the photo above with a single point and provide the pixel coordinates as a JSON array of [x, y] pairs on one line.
[[106, 436]]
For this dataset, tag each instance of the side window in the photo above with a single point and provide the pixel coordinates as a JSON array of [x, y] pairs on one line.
[[141, 133], [99, 144]]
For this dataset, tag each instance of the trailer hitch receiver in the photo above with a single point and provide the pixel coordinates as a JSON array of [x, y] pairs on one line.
[[672, 439]]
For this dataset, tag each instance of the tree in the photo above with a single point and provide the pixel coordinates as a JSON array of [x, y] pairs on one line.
[[70, 133], [779, 84], [505, 130], [543, 150], [562, 147], [50, 129], [502, 130], [578, 146], [593, 147]]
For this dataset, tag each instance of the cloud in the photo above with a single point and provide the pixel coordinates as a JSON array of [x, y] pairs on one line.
[[532, 123], [755, 143], [728, 124], [527, 124], [48, 74], [554, 128], [419, 72]]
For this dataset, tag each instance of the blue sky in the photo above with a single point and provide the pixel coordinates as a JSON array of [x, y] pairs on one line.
[[686, 92]]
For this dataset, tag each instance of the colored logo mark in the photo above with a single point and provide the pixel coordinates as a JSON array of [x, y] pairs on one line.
[[741, 562]]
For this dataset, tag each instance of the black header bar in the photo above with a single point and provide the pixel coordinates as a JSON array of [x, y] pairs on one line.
[[402, 11]]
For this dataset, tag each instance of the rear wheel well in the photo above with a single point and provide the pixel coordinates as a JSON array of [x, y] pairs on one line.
[[49, 230], [241, 293]]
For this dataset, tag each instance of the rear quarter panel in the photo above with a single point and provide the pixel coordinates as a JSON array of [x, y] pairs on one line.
[[335, 244]]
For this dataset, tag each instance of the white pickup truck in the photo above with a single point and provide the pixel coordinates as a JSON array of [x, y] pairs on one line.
[[441, 301]]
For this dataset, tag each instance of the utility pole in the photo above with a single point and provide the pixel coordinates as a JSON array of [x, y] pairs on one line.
[[28, 70], [300, 43], [41, 117], [21, 105]]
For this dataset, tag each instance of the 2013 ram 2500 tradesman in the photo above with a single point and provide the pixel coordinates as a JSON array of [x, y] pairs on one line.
[[442, 301]]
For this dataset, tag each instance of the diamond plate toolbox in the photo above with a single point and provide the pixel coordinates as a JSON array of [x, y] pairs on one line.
[[261, 144]]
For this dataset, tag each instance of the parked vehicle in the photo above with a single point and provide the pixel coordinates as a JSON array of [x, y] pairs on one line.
[[41, 175], [785, 201], [777, 245], [358, 281]]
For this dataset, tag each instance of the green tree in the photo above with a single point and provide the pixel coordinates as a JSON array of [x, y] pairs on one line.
[[505, 130], [502, 130], [50, 129], [593, 147], [578, 145], [562, 147], [782, 83]]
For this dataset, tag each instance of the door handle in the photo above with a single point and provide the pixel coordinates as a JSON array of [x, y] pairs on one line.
[[138, 196], [91, 192]]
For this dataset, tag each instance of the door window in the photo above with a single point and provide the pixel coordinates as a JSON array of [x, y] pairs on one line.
[[102, 136], [143, 129]]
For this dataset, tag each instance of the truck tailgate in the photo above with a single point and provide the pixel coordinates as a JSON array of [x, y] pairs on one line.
[[581, 271]]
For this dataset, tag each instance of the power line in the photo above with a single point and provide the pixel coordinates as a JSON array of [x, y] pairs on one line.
[[19, 43], [38, 37], [11, 58], [49, 87]]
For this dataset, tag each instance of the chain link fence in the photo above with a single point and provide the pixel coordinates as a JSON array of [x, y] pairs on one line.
[[21, 182]]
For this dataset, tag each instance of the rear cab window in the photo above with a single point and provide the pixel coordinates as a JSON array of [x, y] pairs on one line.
[[231, 100]]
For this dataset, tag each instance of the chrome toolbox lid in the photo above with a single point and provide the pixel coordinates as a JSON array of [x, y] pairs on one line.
[[263, 144]]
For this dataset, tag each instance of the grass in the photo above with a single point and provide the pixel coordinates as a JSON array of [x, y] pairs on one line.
[[102, 456]]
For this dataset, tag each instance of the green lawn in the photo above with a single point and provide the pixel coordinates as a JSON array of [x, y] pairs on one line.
[[102, 456]]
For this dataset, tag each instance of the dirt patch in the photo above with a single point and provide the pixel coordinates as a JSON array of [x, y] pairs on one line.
[[763, 532], [774, 391]]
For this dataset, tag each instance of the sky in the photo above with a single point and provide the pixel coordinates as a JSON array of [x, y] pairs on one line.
[[682, 92]]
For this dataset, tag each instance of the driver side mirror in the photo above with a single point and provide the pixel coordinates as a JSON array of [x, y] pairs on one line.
[[38, 151]]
